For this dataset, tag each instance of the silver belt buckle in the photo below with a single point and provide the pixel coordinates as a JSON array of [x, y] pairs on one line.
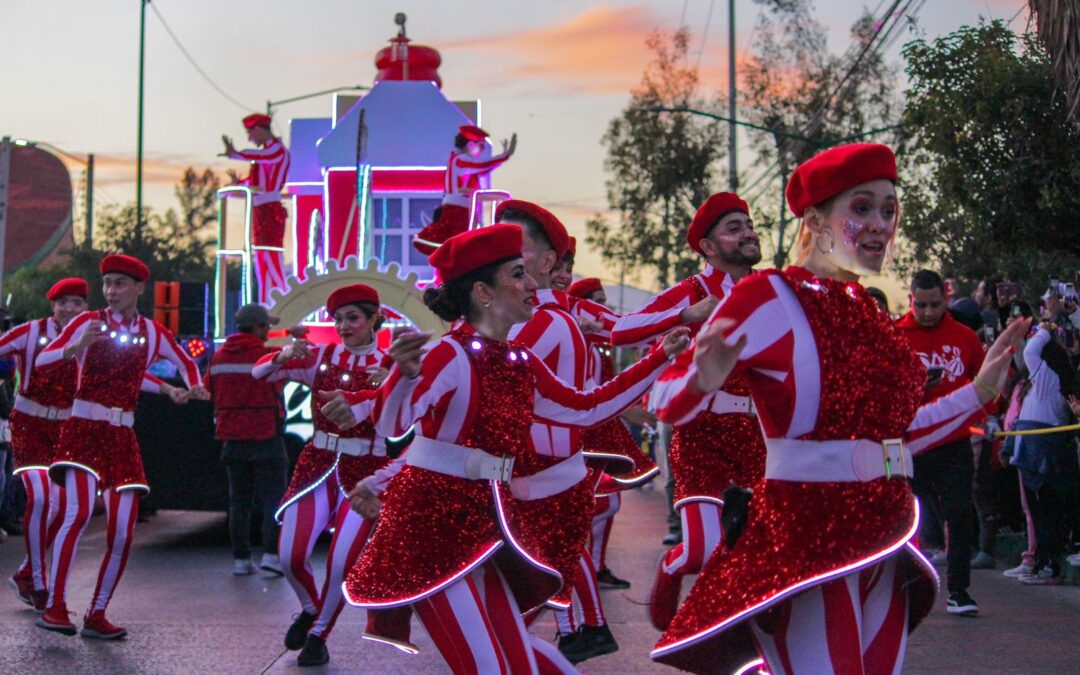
[[497, 468], [116, 417], [332, 442], [887, 446], [52, 413], [750, 409]]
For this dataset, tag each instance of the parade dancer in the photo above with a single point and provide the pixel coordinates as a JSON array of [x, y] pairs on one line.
[[465, 174], [478, 527], [269, 169], [722, 445], [330, 465], [43, 403], [554, 336], [97, 449], [824, 577]]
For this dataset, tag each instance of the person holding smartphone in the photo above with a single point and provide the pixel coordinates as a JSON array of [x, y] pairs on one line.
[[952, 354]]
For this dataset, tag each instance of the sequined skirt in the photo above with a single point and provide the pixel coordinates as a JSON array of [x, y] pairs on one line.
[[798, 535], [634, 469], [712, 452], [312, 468], [109, 452], [34, 440], [351, 470]]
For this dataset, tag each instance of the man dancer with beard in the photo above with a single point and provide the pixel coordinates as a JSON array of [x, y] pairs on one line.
[[722, 445]]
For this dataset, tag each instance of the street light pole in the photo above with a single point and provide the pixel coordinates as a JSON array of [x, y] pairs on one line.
[[733, 164], [90, 200], [139, 141]]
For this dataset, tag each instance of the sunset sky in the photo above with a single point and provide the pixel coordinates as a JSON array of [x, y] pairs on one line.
[[555, 72]]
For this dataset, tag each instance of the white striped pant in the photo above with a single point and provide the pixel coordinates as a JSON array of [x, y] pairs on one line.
[[302, 523], [269, 272], [701, 535], [44, 501], [586, 607], [121, 512], [853, 625], [477, 627], [603, 519]]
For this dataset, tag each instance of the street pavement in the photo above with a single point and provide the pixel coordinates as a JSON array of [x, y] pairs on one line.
[[186, 613]]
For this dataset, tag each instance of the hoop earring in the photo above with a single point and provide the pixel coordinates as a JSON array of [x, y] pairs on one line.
[[817, 243]]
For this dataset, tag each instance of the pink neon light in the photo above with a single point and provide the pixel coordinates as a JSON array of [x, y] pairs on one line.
[[791, 590], [407, 180]]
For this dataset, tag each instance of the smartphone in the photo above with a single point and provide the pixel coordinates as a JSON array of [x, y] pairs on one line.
[[1016, 310], [989, 334], [1055, 286]]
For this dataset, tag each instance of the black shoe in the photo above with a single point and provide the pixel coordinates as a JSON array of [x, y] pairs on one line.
[[314, 652], [672, 538], [961, 603], [609, 580], [298, 631], [596, 641], [569, 646]]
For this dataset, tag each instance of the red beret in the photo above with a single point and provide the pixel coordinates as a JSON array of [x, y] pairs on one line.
[[829, 173], [125, 264], [256, 120], [556, 233], [472, 133], [349, 295], [468, 251], [715, 207], [69, 286], [572, 249], [583, 288]]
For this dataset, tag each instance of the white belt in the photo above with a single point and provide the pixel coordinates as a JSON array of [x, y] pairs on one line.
[[475, 464], [355, 447], [724, 403], [117, 417], [34, 409], [836, 461]]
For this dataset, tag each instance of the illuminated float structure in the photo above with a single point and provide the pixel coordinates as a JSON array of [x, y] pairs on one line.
[[361, 184]]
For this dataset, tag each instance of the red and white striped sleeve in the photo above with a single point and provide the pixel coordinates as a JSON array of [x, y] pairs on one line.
[[53, 355], [271, 154], [464, 166], [657, 317], [403, 401], [150, 384], [295, 370], [601, 314], [936, 420], [760, 315], [167, 348], [558, 403], [14, 341]]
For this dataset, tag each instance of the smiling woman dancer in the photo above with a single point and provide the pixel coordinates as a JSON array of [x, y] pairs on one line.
[[824, 579], [473, 529], [330, 465]]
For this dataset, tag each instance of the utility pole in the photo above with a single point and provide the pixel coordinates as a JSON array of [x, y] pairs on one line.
[[90, 200], [733, 164], [5, 177], [139, 141]]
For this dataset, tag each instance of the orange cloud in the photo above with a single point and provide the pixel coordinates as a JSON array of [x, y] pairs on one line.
[[119, 169]]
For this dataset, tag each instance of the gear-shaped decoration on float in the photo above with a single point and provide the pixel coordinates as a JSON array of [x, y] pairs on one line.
[[301, 297]]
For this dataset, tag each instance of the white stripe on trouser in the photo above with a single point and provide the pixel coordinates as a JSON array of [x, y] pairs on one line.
[[269, 272], [304, 520], [586, 607], [121, 512], [41, 511], [351, 532], [601, 528], [857, 623], [80, 489], [702, 534]]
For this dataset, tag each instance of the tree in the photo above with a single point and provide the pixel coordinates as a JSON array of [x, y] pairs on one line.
[[176, 246], [811, 98], [992, 176], [1057, 30], [661, 167]]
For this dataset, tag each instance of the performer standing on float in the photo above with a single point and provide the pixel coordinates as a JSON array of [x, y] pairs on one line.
[[465, 174], [269, 169], [43, 403], [611, 438], [824, 578], [97, 450], [554, 336], [722, 444], [330, 465], [478, 527]]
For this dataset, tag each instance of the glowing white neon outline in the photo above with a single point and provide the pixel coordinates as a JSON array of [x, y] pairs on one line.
[[244, 254], [748, 666], [21, 469], [295, 218], [309, 488], [406, 647], [76, 465], [789, 591], [505, 527], [634, 482], [133, 486], [696, 498], [433, 590], [605, 456]]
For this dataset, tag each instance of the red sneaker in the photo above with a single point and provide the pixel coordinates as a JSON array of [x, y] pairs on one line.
[[56, 619], [39, 600], [664, 597], [23, 585], [96, 626]]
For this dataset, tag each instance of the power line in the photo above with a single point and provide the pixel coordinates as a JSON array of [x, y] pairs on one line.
[[196, 66], [705, 34]]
